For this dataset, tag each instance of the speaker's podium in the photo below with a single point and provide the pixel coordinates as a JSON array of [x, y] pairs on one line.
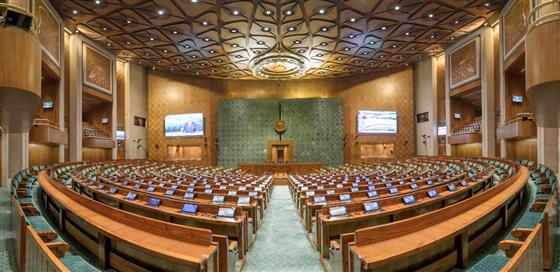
[[280, 162]]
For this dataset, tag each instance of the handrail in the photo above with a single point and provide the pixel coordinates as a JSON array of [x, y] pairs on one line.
[[535, 18]]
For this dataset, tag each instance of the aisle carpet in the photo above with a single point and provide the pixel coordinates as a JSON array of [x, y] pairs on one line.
[[281, 243]]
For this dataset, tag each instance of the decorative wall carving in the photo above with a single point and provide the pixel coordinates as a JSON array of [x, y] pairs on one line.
[[97, 69], [49, 32], [514, 26], [465, 63]]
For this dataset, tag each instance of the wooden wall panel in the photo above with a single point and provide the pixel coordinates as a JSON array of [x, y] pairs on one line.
[[95, 115], [522, 149], [42, 154], [440, 85], [50, 93], [465, 63], [97, 69], [467, 150], [49, 32], [96, 154], [514, 25], [174, 94]]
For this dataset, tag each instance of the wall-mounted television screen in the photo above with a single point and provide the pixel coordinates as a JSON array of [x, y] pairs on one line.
[[377, 122], [120, 134], [457, 115], [517, 99], [184, 125], [442, 131], [47, 105], [105, 120]]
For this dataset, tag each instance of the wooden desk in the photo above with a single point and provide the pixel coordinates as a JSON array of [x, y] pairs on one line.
[[290, 167], [126, 241]]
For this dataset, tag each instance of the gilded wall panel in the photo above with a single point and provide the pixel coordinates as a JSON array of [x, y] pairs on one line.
[[49, 32], [465, 63], [97, 69]]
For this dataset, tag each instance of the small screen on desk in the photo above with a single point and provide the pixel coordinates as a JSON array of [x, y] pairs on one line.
[[414, 186], [401, 182], [429, 182], [372, 193], [100, 186], [253, 193], [226, 212], [189, 195], [371, 206], [189, 208], [154, 202], [409, 199], [432, 193], [151, 189], [319, 199], [354, 189], [232, 193], [244, 200], [393, 190], [218, 199], [310, 193], [464, 183], [388, 185], [169, 192], [337, 211], [112, 190], [131, 196], [330, 192], [208, 191], [451, 187], [344, 197]]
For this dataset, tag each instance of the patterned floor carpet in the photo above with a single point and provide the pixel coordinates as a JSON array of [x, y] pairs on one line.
[[7, 252], [282, 243]]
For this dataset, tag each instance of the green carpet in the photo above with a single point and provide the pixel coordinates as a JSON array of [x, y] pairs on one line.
[[282, 243], [7, 250]]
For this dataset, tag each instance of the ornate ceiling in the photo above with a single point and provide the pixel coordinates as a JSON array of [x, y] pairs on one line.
[[219, 38]]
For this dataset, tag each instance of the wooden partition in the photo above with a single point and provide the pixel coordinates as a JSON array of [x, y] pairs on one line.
[[18, 227], [528, 257], [38, 255]]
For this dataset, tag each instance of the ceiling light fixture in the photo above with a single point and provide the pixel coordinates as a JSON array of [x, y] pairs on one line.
[[431, 15], [75, 11], [268, 12], [278, 65], [204, 23], [260, 42], [323, 44], [160, 12], [235, 12], [397, 7], [383, 28], [234, 45], [266, 29], [353, 20], [291, 28], [288, 12], [297, 42], [322, 11]]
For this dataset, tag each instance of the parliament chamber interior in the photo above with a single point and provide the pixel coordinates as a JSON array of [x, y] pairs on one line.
[[279, 135]]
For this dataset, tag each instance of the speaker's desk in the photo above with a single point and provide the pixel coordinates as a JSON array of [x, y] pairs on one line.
[[289, 167]]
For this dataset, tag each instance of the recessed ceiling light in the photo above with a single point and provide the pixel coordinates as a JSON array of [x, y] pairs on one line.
[[147, 54], [212, 51], [159, 61], [356, 61], [204, 23], [198, 73], [234, 45], [297, 42], [268, 12], [352, 20], [266, 29], [371, 42], [257, 52], [323, 44], [233, 30], [406, 64], [452, 38], [160, 11], [129, 21], [165, 51], [456, 22], [301, 51], [193, 56], [345, 69], [432, 36], [291, 28], [388, 65], [413, 49], [235, 12], [194, 1], [365, 53], [407, 33], [397, 7], [330, 66], [260, 42], [177, 60], [153, 67], [346, 48], [97, 2], [206, 39], [401, 57], [212, 70], [431, 15], [288, 12], [238, 56], [486, 24], [486, 4], [175, 32], [322, 11], [383, 27], [171, 68], [186, 46], [127, 42], [394, 46], [362, 70], [381, 56], [372, 63], [324, 29], [105, 28], [339, 58], [351, 36], [108, 44], [220, 61], [319, 55], [203, 64]]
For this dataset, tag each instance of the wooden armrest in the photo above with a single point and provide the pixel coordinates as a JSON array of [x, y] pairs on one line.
[[47, 236], [335, 245], [232, 245], [521, 233], [510, 247], [538, 207], [30, 210], [58, 248]]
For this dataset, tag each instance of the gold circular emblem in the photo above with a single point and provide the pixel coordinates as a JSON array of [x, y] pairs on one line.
[[280, 126]]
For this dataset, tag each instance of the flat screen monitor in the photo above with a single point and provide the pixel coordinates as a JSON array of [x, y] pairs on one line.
[[137, 186], [337, 211], [354, 189], [377, 122], [253, 193], [208, 191], [112, 190], [218, 199], [388, 185], [131, 196], [464, 183], [432, 193], [330, 192], [451, 187], [189, 208], [100, 186], [371, 187], [319, 199], [345, 197], [517, 99], [429, 182], [232, 192], [310, 193], [372, 193], [393, 190], [244, 200], [409, 199], [154, 202], [105, 120], [151, 189], [184, 125], [371, 206], [120, 135], [457, 115], [48, 105], [169, 192], [190, 189], [188, 195], [442, 131], [413, 186], [226, 212], [401, 182]]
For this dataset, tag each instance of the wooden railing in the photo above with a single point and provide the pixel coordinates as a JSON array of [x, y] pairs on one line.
[[41, 255], [526, 252], [545, 11]]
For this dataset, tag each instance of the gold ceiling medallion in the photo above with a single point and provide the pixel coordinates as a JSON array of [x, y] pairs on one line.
[[280, 126], [279, 65]]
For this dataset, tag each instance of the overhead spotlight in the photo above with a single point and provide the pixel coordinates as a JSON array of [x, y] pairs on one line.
[[452, 38], [177, 60], [330, 66], [362, 70], [365, 53], [129, 21], [165, 51], [194, 1], [153, 67], [356, 61], [397, 7], [212, 70], [406, 64], [151, 38], [486, 24], [175, 32], [75, 11], [212, 51], [268, 12], [206, 39], [323, 44], [186, 46], [260, 42], [257, 52], [160, 12], [193, 56], [432, 36], [383, 28], [388, 65], [339, 58], [319, 55], [238, 56], [291, 28], [381, 56], [203, 64], [346, 48], [127, 42], [394, 46], [456, 22], [233, 30], [371, 42], [97, 2], [234, 45], [220, 61], [431, 15], [146, 54], [324, 29], [108, 44], [104, 28], [297, 42], [486, 4], [371, 63], [266, 29], [235, 12], [288, 12], [301, 51], [353, 20], [321, 11], [204, 23], [351, 36], [407, 33]]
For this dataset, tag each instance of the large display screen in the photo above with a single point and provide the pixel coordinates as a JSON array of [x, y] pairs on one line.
[[184, 125], [377, 122]]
